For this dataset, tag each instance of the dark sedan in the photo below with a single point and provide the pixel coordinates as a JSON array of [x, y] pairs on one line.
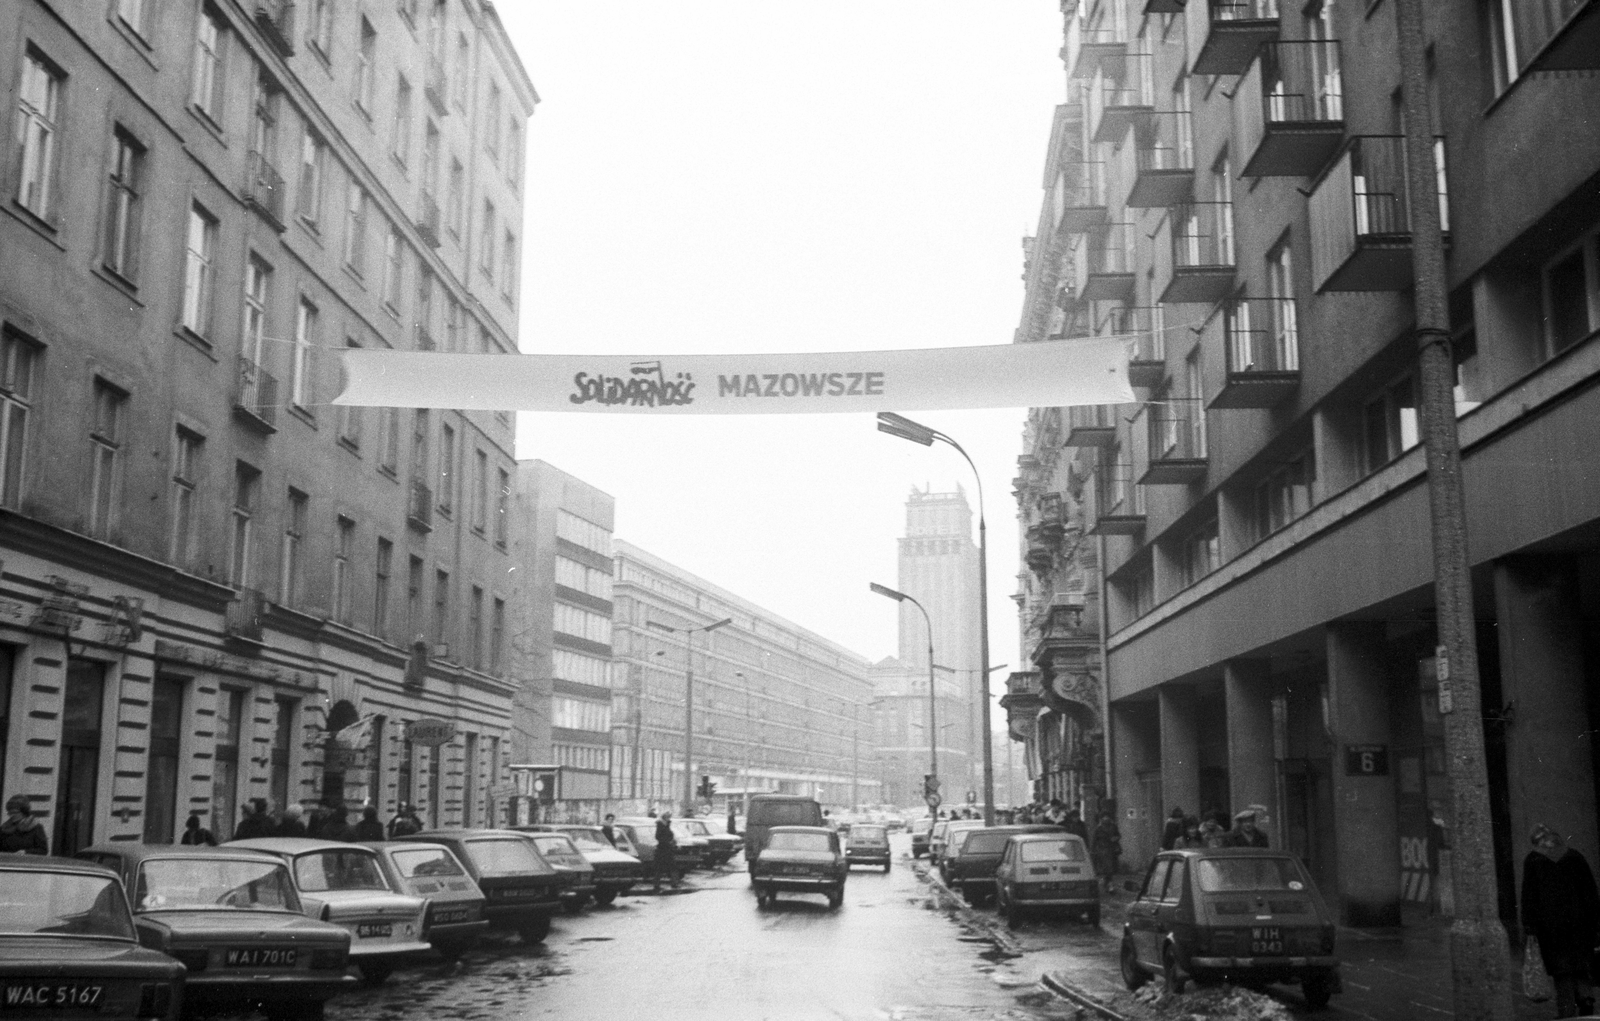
[[867, 844], [521, 890], [564, 856], [234, 920], [804, 859], [68, 948], [972, 856], [615, 870]]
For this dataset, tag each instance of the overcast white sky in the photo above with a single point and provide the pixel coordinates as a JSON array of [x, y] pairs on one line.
[[747, 175]]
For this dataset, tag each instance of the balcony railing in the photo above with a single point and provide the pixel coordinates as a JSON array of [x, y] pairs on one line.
[[1197, 266], [1146, 328], [1069, 320], [1083, 197], [435, 87], [1288, 112], [1101, 50], [263, 189], [1118, 502], [1261, 345], [1091, 425], [1361, 220], [428, 220], [1224, 34], [1562, 35], [1115, 105], [242, 615], [255, 397], [419, 507], [1163, 154], [275, 18], [1177, 442], [1109, 258]]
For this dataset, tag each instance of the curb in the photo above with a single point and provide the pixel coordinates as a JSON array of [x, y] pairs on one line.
[[1077, 996], [968, 913]]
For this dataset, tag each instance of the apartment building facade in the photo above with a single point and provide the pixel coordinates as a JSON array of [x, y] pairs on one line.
[[1226, 190], [216, 585]]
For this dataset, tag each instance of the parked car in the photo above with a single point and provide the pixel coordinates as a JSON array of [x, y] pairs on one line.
[[454, 919], [234, 920], [806, 859], [692, 853], [1045, 872], [940, 837], [769, 810], [615, 870], [520, 889], [345, 884], [868, 844], [564, 856], [68, 947], [694, 850], [723, 845], [1235, 914], [920, 828], [971, 859]]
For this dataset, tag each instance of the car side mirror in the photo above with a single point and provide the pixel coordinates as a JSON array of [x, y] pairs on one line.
[[1130, 886]]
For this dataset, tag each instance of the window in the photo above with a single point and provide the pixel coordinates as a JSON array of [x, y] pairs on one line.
[[447, 468], [225, 762], [1501, 24], [454, 323], [419, 445], [583, 533], [355, 229], [475, 628], [246, 493], [514, 153], [408, 11], [133, 14], [16, 392], [366, 67], [309, 199], [486, 247], [344, 542], [389, 440], [422, 315], [305, 335], [38, 113], [414, 630], [583, 578], [199, 271], [441, 607], [1195, 395], [454, 197], [319, 26], [1202, 552], [463, 73], [349, 417], [480, 491], [581, 623], [497, 630], [491, 141], [430, 158], [257, 278], [508, 268], [123, 206], [161, 778], [1390, 423], [105, 447], [1285, 494], [1572, 295], [206, 89], [1222, 195], [264, 119], [185, 479], [279, 763], [380, 588], [574, 666], [394, 267], [578, 714], [1285, 322], [294, 534], [402, 120], [502, 498]]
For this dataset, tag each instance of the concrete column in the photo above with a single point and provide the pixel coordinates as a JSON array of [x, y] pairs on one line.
[[1252, 770], [1180, 750], [1365, 818], [1549, 761], [1136, 747]]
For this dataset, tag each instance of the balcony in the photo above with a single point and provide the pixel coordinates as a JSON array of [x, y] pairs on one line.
[[1224, 36], [255, 397], [1574, 43], [1083, 197], [1115, 107], [1100, 51], [264, 190], [275, 18], [419, 507], [1146, 328], [1091, 425], [242, 616], [1021, 703], [1361, 219], [1069, 320], [1177, 442], [428, 221], [1288, 111], [1108, 264], [1198, 264], [435, 88], [1163, 155], [1261, 345], [1118, 504]]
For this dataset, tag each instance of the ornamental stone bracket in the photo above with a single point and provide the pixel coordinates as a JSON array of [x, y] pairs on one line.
[[1022, 703], [1067, 655]]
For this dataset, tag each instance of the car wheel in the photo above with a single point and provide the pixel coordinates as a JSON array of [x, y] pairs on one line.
[[451, 952], [885, 868], [1133, 975], [536, 930], [1318, 990], [1171, 973], [836, 897], [573, 906], [375, 973], [604, 897], [1094, 916]]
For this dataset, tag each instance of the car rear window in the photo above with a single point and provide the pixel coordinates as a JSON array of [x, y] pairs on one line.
[[320, 871], [800, 842], [594, 840], [508, 856], [62, 904], [985, 843], [426, 861], [182, 884], [557, 847], [867, 833], [1225, 875], [1065, 849], [785, 813]]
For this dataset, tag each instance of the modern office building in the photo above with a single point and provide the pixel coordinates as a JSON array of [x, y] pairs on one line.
[[1227, 190], [216, 585], [776, 707]]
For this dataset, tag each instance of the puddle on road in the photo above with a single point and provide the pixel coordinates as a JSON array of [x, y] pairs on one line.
[[593, 939]]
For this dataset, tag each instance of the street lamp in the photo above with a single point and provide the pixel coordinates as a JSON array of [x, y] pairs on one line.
[[688, 701], [933, 727], [899, 425]]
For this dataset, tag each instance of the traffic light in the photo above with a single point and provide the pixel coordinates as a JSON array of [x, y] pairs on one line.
[[707, 788]]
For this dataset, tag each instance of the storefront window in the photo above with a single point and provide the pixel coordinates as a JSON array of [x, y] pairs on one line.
[[161, 780]]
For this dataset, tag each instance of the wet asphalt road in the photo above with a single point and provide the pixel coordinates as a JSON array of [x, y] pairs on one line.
[[707, 951]]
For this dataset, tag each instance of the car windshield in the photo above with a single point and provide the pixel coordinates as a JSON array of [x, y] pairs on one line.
[[592, 840], [1053, 850], [985, 843], [169, 884], [508, 856], [555, 845], [799, 842], [62, 904], [864, 832], [422, 862], [1226, 875], [320, 871]]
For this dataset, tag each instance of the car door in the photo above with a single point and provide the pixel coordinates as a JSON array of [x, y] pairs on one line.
[[1004, 870], [1142, 913], [1167, 908]]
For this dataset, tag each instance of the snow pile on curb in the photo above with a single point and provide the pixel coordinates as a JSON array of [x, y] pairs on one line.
[[1219, 1003]]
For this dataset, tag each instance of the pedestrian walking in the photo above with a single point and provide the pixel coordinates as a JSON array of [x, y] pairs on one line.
[[1561, 910], [1244, 832], [1073, 823], [253, 821], [1106, 848], [293, 822], [733, 818], [666, 851], [21, 832], [196, 834], [369, 828], [608, 829], [1173, 830]]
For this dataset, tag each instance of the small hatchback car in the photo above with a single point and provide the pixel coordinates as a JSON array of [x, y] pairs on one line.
[[1046, 873], [867, 844], [800, 858], [973, 856], [521, 890], [454, 919], [1240, 914]]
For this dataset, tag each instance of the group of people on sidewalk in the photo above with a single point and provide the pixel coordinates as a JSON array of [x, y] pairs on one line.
[[257, 819], [1212, 830]]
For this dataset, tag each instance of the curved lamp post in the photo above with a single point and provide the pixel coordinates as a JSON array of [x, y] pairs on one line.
[[933, 726], [688, 701]]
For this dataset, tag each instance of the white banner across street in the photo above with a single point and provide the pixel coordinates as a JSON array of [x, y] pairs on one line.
[[1047, 374]]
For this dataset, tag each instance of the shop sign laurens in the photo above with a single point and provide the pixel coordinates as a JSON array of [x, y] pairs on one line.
[[430, 732]]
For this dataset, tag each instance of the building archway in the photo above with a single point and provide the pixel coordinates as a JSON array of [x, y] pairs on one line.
[[337, 760]]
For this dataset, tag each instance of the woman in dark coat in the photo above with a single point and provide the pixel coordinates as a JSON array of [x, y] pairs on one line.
[[1561, 908], [1106, 848]]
